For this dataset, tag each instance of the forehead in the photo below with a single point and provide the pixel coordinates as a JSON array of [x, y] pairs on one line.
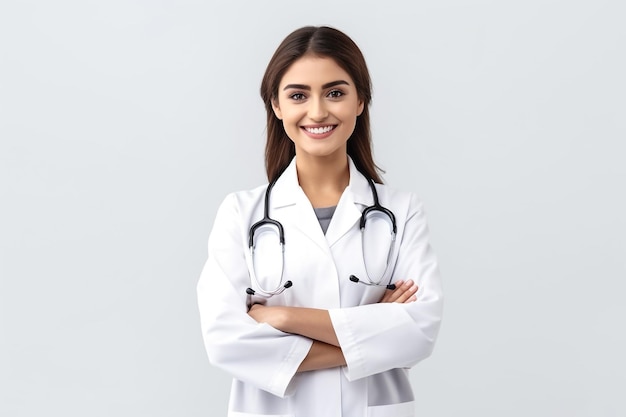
[[314, 71]]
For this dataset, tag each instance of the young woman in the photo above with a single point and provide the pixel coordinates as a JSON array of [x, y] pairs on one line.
[[321, 289]]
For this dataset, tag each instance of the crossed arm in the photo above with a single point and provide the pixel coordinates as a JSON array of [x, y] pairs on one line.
[[316, 325]]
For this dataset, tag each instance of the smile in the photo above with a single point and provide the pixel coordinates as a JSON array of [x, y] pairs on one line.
[[319, 130]]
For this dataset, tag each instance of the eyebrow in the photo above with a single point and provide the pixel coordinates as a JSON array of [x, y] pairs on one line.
[[308, 88]]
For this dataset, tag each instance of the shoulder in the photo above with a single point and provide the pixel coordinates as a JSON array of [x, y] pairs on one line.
[[234, 212], [240, 200], [241, 205], [246, 196], [401, 200]]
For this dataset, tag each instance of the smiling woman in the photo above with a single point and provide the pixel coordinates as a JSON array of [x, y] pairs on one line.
[[308, 318]]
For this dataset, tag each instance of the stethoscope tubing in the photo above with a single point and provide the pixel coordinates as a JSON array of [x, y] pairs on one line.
[[267, 220]]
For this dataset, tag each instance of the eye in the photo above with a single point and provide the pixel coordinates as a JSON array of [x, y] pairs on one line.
[[297, 96], [335, 93]]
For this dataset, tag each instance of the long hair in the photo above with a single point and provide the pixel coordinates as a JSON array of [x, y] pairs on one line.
[[327, 42]]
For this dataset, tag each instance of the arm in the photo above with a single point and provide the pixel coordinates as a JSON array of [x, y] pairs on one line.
[[255, 353], [378, 337], [322, 356], [308, 322], [368, 333], [316, 324]]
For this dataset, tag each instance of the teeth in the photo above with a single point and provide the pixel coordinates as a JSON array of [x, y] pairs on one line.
[[319, 130]]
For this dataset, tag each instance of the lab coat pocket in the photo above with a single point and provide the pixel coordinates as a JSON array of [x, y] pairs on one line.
[[237, 414], [406, 409]]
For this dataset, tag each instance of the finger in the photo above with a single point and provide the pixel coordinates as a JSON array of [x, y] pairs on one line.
[[391, 295], [411, 299], [410, 295], [397, 295], [408, 290]]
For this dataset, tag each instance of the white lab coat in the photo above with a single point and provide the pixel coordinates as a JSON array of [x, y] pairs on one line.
[[380, 341]]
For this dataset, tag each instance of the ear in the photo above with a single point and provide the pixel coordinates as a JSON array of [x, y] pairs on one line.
[[360, 108], [276, 108]]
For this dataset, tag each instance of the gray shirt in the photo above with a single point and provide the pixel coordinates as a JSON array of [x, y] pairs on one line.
[[324, 214]]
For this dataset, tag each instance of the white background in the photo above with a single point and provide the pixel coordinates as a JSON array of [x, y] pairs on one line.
[[123, 124]]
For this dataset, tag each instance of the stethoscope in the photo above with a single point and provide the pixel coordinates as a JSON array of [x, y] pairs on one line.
[[273, 224]]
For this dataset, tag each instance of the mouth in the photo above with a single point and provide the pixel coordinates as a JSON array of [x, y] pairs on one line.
[[319, 130]]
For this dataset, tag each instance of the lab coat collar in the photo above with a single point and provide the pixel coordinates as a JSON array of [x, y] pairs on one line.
[[288, 194], [287, 188]]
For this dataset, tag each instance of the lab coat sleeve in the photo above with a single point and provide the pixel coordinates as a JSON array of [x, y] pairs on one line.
[[378, 337], [251, 352]]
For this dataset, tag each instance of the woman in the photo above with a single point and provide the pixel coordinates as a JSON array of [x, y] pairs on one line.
[[329, 323]]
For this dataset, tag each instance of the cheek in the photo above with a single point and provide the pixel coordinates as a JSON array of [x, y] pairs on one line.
[[290, 124], [349, 117], [291, 116], [351, 112]]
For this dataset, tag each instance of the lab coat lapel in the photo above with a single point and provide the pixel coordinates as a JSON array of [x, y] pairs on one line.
[[292, 207], [350, 207], [290, 204]]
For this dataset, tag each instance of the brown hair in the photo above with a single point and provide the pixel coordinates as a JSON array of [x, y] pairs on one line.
[[322, 41]]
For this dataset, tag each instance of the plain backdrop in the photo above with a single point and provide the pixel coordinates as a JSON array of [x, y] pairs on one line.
[[123, 124]]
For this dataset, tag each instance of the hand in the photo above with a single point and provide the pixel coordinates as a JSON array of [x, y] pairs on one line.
[[404, 293]]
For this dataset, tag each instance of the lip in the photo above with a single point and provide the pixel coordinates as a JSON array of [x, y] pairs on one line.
[[318, 126]]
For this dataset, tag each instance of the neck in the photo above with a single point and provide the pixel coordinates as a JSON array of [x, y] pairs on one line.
[[323, 180]]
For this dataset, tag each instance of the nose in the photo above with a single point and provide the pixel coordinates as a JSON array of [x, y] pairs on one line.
[[317, 109]]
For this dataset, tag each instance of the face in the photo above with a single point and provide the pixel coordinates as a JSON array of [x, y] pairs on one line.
[[318, 104]]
